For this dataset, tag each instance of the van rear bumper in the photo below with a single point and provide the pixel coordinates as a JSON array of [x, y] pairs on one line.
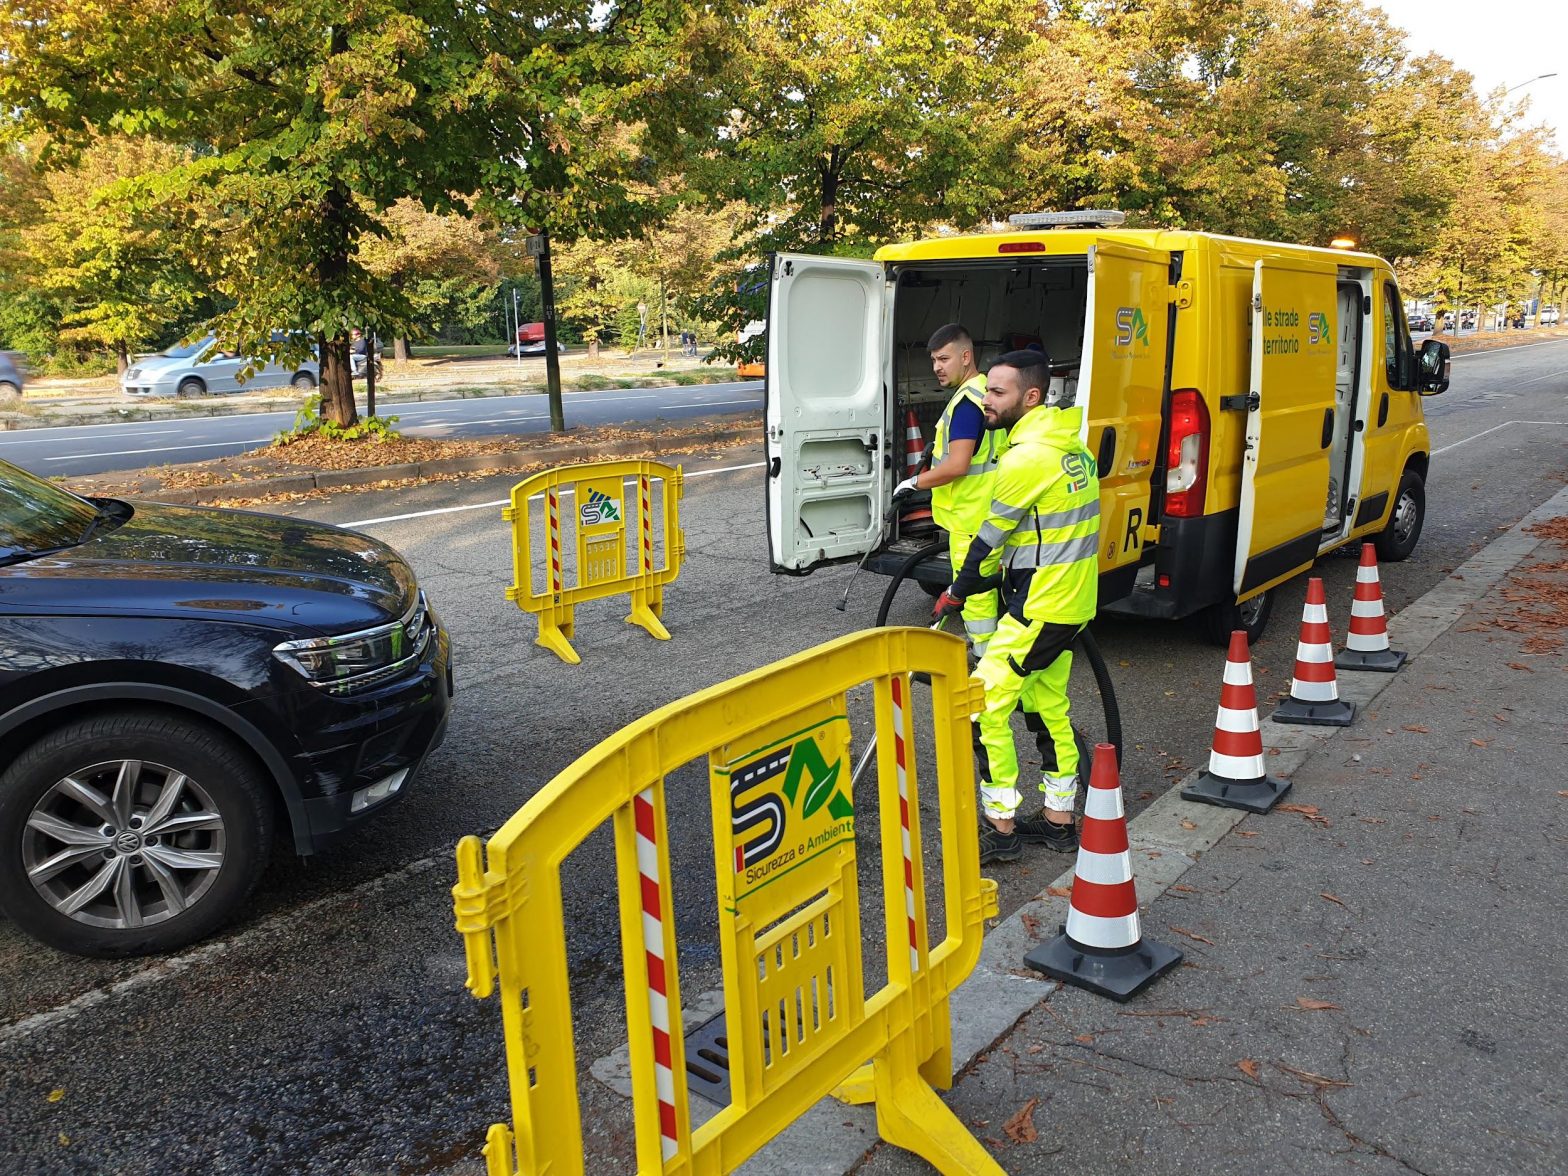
[[1195, 560]]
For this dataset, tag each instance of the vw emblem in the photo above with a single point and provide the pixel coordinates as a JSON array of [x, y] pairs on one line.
[[128, 842]]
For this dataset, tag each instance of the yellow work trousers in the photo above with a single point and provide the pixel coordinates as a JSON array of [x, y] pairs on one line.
[[980, 610], [1026, 662]]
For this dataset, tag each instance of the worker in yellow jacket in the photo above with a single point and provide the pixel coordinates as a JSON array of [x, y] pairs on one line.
[[963, 465], [1042, 532]]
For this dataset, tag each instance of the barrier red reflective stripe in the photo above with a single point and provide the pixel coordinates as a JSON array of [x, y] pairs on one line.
[[901, 755], [647, 524], [554, 513], [658, 989]]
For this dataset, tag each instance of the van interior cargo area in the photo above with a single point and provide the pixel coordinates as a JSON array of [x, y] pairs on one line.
[[1011, 306]]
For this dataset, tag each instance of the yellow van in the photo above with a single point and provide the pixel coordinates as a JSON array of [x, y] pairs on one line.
[[1251, 404]]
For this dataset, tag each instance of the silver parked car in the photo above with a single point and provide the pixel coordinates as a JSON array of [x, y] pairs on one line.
[[11, 381], [194, 369]]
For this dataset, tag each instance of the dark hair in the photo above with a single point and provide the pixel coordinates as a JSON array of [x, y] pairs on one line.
[[952, 333], [1034, 368]]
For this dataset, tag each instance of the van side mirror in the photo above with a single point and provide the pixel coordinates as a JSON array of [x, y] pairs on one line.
[[1432, 368]]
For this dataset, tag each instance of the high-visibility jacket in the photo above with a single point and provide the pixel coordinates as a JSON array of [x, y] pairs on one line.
[[1043, 527], [961, 504]]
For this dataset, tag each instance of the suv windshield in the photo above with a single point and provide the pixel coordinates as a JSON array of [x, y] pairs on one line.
[[37, 516]]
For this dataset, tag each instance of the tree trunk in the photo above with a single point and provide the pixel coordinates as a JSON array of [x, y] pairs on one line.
[[337, 381], [827, 223], [593, 347], [122, 357], [400, 349]]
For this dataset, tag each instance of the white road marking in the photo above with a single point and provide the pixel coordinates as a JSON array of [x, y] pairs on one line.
[[1510, 347], [441, 510], [160, 449], [56, 440], [1538, 379], [1493, 429]]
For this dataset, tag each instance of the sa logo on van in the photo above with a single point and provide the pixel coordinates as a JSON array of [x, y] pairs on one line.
[[1318, 329], [787, 807], [1130, 326]]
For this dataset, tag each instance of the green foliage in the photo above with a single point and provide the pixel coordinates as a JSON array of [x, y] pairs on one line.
[[308, 422]]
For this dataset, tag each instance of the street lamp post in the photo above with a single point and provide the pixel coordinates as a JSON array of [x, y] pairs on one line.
[[1522, 85]]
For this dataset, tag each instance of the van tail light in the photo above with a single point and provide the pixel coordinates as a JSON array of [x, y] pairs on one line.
[[1187, 459]]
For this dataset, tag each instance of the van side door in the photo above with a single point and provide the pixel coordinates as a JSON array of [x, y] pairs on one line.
[[1121, 387], [825, 409], [1290, 421]]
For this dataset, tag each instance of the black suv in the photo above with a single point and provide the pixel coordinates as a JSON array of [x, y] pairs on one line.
[[176, 683]]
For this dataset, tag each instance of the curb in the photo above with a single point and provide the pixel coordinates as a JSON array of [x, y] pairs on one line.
[[479, 463], [835, 1137]]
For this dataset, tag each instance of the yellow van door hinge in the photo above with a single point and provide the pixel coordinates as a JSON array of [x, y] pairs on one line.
[[1184, 295], [1150, 535]]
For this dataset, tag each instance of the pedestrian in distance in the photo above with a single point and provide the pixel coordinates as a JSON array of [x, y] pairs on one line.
[[1042, 532], [964, 454]]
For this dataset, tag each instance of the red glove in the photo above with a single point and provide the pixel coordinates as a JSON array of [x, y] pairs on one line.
[[947, 605]]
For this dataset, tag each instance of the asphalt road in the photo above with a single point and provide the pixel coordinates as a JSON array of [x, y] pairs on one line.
[[330, 1029], [93, 449]]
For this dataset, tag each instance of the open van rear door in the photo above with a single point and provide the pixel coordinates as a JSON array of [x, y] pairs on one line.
[[825, 409], [1121, 385], [1290, 421]]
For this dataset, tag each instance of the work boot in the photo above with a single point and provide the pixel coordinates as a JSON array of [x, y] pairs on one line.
[[1039, 830], [996, 846]]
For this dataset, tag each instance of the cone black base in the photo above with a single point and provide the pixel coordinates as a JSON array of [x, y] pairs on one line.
[[1337, 713], [1384, 660], [1256, 796], [1120, 976]]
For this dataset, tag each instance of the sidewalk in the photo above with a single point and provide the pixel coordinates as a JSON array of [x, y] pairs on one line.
[[1371, 981]]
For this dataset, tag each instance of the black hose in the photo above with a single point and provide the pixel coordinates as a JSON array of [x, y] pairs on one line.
[[1085, 643], [909, 564]]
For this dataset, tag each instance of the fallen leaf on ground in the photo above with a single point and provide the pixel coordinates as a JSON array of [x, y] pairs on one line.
[[1333, 898], [56, 1094], [1313, 1005], [1306, 810], [1059, 891], [1501, 718], [1193, 935], [1245, 832], [1031, 925], [1084, 1039], [1186, 824], [1020, 1128], [1563, 793], [1035, 1048], [1418, 728], [1481, 743], [1521, 666], [1248, 1067]]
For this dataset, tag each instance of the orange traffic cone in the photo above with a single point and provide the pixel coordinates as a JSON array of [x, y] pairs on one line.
[[1102, 948], [1366, 644], [1314, 690], [917, 519], [1235, 777]]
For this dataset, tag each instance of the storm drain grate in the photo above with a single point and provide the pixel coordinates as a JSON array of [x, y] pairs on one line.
[[708, 1061]]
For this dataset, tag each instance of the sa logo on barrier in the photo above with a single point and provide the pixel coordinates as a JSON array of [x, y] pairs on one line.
[[600, 503], [789, 804]]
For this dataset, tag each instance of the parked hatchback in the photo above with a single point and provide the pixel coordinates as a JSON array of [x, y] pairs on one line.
[[197, 369], [177, 685]]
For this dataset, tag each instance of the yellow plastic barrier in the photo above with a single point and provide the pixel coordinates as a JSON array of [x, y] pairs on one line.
[[601, 567], [799, 1023]]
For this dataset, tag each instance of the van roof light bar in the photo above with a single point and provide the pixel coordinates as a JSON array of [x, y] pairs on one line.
[[1102, 218]]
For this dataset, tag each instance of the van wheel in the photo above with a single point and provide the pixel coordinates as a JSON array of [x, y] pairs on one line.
[[1219, 621], [130, 833], [1397, 540]]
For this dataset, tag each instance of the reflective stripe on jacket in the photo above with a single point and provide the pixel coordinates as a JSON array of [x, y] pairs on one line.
[[961, 504], [1043, 527]]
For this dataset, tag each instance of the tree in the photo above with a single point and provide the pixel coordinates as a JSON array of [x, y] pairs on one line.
[[313, 118], [105, 253], [429, 258]]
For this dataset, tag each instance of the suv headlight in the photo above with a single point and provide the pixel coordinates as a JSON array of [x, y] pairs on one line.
[[358, 661]]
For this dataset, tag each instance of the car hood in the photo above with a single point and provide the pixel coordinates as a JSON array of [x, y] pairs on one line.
[[158, 365], [288, 574]]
